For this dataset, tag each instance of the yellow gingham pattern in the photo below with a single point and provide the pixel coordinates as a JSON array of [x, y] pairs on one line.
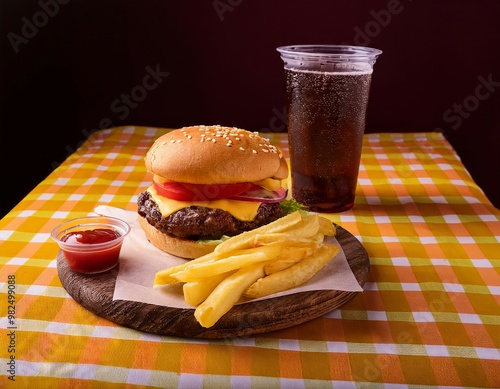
[[429, 316]]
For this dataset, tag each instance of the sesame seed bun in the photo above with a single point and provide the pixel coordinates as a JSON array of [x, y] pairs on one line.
[[215, 155], [179, 247]]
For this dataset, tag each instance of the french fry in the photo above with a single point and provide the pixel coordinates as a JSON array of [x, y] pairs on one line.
[[227, 294], [326, 227], [308, 226], [288, 257], [290, 251], [279, 265], [276, 257], [197, 291], [318, 238], [294, 275], [289, 240], [240, 260], [164, 276], [245, 239]]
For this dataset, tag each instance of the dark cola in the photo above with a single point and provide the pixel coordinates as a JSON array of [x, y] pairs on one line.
[[326, 122]]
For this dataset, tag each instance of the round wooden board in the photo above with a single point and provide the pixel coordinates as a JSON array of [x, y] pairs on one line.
[[95, 293]]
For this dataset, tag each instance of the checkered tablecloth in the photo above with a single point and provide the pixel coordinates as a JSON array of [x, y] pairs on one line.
[[429, 315]]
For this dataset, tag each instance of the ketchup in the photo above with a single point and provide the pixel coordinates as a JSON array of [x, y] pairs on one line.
[[99, 235], [85, 258]]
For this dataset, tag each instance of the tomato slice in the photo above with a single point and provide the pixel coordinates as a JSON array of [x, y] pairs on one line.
[[173, 190], [217, 191], [199, 192]]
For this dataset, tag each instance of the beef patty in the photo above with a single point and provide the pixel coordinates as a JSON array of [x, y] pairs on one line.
[[197, 223]]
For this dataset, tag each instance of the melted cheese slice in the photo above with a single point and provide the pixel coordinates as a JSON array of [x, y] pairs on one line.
[[269, 184], [242, 210]]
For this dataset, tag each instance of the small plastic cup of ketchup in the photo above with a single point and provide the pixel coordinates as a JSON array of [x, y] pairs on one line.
[[91, 244]]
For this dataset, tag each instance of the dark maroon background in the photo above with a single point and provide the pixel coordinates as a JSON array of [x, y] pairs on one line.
[[223, 68]]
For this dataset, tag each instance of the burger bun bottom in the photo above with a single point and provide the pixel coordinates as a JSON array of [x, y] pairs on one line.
[[179, 247]]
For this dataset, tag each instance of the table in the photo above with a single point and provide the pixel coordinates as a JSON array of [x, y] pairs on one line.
[[429, 315]]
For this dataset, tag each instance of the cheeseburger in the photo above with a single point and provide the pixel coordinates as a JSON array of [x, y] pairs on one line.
[[209, 183]]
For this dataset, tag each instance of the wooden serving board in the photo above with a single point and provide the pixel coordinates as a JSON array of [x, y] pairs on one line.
[[95, 293]]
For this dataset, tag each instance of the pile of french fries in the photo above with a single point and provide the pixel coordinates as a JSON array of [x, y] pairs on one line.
[[270, 259]]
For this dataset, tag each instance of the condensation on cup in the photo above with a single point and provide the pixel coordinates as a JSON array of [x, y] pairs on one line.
[[327, 97]]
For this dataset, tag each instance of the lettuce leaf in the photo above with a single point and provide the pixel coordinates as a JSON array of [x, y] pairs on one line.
[[290, 206]]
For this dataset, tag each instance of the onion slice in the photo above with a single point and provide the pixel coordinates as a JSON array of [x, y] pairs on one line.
[[262, 195]]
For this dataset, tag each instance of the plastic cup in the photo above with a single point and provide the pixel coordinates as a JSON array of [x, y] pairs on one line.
[[327, 96], [91, 244]]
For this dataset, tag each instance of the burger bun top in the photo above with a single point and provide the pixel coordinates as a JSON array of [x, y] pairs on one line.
[[215, 155]]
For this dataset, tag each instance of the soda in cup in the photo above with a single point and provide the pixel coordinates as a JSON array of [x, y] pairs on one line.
[[327, 96]]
